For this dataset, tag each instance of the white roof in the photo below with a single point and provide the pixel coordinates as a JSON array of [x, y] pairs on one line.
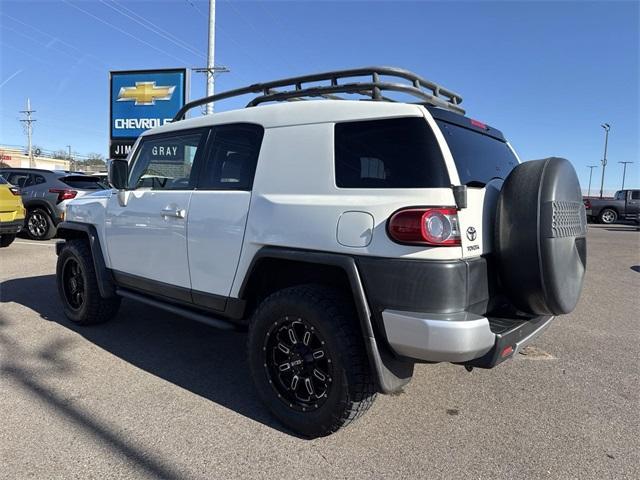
[[298, 113]]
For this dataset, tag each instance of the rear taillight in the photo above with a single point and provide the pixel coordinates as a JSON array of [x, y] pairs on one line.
[[425, 226], [587, 203], [15, 190], [63, 194]]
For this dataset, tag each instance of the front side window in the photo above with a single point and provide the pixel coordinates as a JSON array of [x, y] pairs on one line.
[[390, 153], [165, 162], [231, 164], [19, 179]]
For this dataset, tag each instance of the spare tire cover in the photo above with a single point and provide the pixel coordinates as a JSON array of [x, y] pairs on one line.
[[541, 227]]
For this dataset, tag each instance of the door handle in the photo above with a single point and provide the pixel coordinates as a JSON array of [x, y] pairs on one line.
[[173, 212]]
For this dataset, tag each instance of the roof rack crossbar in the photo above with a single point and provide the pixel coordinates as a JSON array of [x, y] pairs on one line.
[[426, 90]]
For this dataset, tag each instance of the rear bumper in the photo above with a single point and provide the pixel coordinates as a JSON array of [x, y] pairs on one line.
[[11, 227], [459, 338]]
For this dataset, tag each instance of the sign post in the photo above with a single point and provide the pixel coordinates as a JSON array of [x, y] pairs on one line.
[[140, 100]]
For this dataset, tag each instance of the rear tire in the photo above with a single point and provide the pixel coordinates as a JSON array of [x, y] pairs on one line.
[[6, 240], [39, 225], [78, 286], [608, 216], [325, 352]]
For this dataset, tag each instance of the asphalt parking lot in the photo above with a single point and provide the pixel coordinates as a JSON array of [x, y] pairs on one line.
[[150, 395]]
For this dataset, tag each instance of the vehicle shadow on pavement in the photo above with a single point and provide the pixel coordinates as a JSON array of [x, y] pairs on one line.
[[210, 363]]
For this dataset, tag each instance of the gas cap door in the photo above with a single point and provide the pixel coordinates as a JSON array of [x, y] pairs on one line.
[[355, 229]]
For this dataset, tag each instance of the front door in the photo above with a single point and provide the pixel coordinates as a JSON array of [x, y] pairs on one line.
[[146, 225]]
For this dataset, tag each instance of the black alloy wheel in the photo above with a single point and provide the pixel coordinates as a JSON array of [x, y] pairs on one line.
[[73, 284], [297, 363]]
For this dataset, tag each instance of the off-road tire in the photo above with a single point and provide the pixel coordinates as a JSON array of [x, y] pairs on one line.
[[39, 225], [608, 216], [94, 308], [333, 316], [6, 240]]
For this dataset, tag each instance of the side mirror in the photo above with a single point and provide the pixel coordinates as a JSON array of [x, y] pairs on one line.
[[118, 174]]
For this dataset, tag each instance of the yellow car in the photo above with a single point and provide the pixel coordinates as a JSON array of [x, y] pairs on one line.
[[12, 212]]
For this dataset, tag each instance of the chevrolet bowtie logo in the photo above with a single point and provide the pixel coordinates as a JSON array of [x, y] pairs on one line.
[[145, 93]]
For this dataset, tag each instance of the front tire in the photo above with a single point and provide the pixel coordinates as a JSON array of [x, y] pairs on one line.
[[308, 360], [6, 240], [608, 216], [78, 286], [39, 225]]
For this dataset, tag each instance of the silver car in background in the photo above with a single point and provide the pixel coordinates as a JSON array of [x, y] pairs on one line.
[[45, 194]]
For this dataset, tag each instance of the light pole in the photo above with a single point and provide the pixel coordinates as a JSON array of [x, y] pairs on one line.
[[590, 167], [606, 127], [624, 172], [70, 159]]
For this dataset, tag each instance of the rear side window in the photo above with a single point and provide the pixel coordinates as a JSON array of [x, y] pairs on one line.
[[479, 158], [635, 195], [2, 180], [391, 153], [234, 154], [38, 179]]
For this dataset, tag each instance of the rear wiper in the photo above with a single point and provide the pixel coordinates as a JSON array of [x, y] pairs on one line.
[[475, 184]]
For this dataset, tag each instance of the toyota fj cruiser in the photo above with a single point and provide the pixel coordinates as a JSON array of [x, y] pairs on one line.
[[353, 238]]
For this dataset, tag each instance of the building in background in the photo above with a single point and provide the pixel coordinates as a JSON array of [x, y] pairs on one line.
[[16, 157]]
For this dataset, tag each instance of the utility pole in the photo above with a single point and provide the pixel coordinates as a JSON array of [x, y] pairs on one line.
[[29, 127], [211, 70], [211, 53], [606, 127], [624, 172], [590, 167], [70, 159]]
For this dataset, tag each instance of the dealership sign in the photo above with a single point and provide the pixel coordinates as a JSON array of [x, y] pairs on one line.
[[140, 100]]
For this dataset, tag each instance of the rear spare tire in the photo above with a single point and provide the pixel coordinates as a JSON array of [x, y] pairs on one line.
[[541, 237]]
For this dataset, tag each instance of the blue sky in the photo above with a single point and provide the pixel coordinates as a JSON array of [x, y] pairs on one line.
[[546, 73]]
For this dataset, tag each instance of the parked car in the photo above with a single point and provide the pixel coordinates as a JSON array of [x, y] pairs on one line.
[[12, 213], [625, 205], [354, 239], [45, 194]]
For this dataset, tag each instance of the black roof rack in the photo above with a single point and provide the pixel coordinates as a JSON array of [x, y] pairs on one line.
[[426, 91]]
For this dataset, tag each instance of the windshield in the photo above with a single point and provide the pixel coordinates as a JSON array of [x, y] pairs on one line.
[[479, 158]]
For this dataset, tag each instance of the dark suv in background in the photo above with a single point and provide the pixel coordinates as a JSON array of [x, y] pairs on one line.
[[45, 194]]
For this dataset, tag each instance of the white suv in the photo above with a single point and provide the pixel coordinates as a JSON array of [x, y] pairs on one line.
[[353, 238]]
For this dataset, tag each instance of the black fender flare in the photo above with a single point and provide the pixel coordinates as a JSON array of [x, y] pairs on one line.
[[37, 203], [391, 373], [71, 230]]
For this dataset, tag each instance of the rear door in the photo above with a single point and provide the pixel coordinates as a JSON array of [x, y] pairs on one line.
[[483, 159], [219, 210], [146, 226], [633, 204]]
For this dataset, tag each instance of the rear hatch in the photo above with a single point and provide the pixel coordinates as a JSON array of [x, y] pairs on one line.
[[83, 184], [483, 160]]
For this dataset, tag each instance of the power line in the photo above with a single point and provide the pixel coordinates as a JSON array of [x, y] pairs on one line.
[[55, 38], [51, 45], [149, 25], [124, 32]]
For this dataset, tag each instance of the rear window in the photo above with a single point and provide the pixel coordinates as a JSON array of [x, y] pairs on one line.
[[392, 153], [83, 182], [479, 158]]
